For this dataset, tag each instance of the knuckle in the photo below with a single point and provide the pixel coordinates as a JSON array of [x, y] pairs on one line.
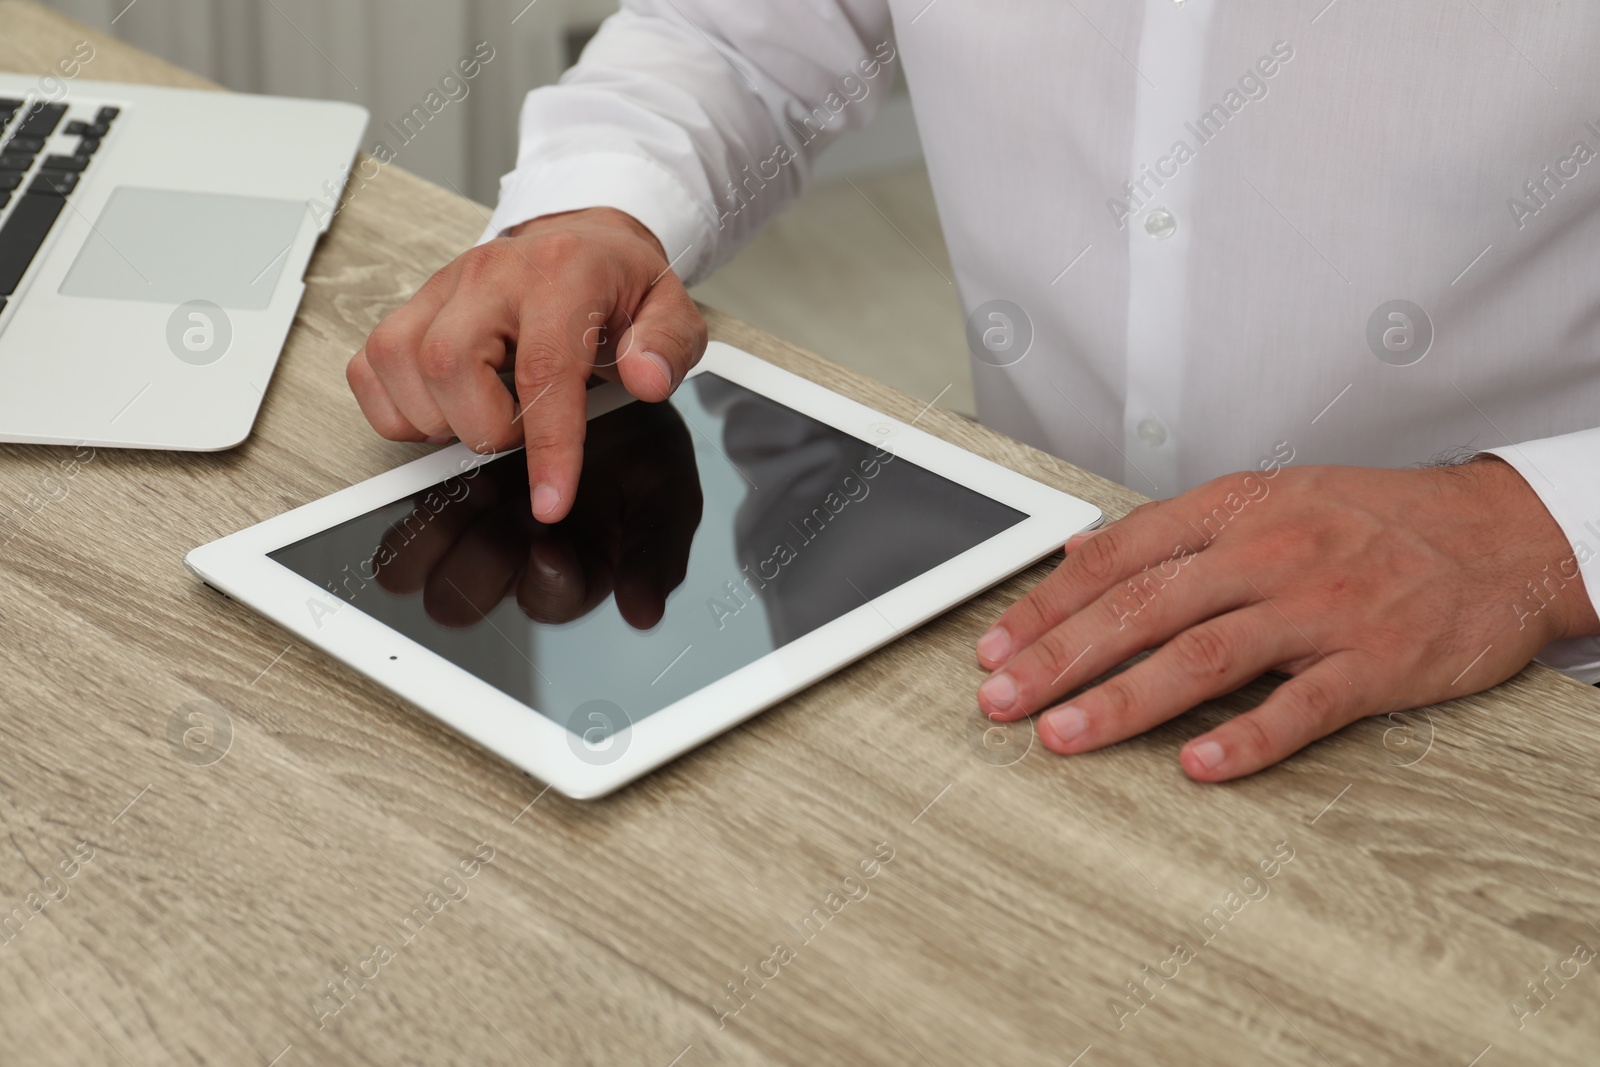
[[554, 426], [393, 428], [389, 423], [1254, 737], [538, 363], [1115, 699], [1054, 664], [1202, 652], [485, 262], [386, 346], [437, 361], [358, 374], [1320, 701], [497, 438], [1101, 557], [700, 335], [442, 279], [694, 328], [1037, 611], [433, 425], [1124, 604], [1048, 656], [548, 436]]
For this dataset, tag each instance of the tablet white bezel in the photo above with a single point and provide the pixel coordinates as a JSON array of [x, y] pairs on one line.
[[239, 566]]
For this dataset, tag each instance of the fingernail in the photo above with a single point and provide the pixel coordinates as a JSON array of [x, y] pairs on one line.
[[995, 645], [662, 366], [1068, 723], [1209, 754], [999, 692], [440, 439], [546, 498]]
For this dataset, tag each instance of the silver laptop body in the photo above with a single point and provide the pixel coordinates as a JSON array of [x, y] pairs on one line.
[[153, 244]]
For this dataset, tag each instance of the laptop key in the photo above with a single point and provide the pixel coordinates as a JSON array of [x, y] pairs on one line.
[[76, 163], [42, 121], [24, 234], [16, 161], [9, 180], [76, 127], [88, 146], [98, 130], [107, 114], [30, 145], [53, 183]]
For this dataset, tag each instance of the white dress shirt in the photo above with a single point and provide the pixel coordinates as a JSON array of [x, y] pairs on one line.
[[1190, 236]]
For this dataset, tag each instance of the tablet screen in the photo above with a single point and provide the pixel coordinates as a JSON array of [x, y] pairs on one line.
[[707, 531]]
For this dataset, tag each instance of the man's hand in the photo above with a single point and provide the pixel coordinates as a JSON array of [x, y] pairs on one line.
[[1375, 590], [560, 298]]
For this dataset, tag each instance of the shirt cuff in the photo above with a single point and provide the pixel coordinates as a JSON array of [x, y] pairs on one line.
[[1577, 657], [1565, 472], [639, 186]]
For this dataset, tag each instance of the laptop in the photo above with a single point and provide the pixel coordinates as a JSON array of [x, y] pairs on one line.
[[153, 245]]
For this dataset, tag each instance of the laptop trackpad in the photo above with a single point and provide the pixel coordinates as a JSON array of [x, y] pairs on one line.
[[171, 247]]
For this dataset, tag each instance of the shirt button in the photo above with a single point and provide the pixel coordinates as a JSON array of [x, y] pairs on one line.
[[1160, 223], [1151, 432]]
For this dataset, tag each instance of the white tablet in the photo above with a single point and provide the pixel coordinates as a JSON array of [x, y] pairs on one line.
[[725, 549]]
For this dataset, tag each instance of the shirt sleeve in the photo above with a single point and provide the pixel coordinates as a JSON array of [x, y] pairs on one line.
[[1565, 472], [700, 118]]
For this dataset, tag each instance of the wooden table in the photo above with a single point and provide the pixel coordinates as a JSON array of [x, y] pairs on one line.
[[230, 907]]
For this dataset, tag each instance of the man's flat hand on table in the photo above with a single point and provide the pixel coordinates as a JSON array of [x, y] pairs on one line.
[[1374, 590]]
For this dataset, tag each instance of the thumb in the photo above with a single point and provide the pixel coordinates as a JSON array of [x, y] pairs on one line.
[[667, 338]]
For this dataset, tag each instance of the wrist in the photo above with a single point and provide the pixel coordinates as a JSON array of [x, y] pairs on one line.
[[608, 218], [1543, 563]]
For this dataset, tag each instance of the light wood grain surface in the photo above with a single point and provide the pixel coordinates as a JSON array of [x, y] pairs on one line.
[[1440, 860]]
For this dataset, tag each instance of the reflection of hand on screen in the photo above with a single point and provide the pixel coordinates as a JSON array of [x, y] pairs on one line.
[[629, 532], [837, 521]]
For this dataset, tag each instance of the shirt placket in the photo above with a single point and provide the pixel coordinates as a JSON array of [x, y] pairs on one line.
[[1158, 197]]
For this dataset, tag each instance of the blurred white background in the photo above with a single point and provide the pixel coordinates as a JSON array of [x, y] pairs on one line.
[[833, 275]]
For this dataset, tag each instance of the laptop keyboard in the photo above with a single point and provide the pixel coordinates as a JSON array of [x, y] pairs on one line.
[[38, 174]]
